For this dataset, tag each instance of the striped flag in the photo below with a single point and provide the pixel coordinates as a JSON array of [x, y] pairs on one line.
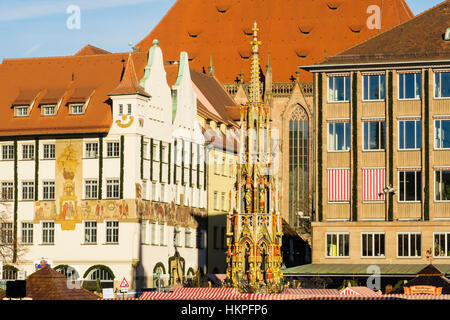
[[338, 185], [373, 184]]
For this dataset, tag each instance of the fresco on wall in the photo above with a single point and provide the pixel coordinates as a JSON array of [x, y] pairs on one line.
[[170, 213]]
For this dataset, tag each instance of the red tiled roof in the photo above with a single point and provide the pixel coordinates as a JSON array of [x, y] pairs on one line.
[[294, 32], [421, 38], [90, 50], [74, 78]]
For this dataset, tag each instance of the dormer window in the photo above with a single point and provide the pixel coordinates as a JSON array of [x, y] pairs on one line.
[[21, 111], [129, 108], [48, 110], [76, 108]]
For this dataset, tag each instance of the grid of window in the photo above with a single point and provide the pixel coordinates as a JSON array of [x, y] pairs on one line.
[[339, 136], [442, 134], [222, 199], [199, 242], [338, 244], [112, 149], [112, 189], [409, 244], [409, 134], [48, 110], [48, 232], [373, 244], [410, 186], [28, 152], [91, 189], [153, 191], [6, 233], [7, 191], [27, 232], [90, 232], [442, 185], [409, 86], [374, 87], [8, 152], [442, 84], [76, 108], [120, 109], [49, 151], [129, 108], [27, 190], [112, 231], [91, 150], [21, 111], [374, 135], [48, 190], [176, 237], [442, 244], [338, 88]]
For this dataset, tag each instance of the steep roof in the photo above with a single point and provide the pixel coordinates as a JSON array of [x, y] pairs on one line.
[[419, 39], [90, 50], [60, 80], [294, 32], [48, 284], [129, 83]]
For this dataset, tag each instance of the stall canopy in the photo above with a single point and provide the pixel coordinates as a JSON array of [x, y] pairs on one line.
[[194, 294], [429, 280]]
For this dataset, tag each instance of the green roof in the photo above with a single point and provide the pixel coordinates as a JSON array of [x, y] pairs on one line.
[[386, 270]]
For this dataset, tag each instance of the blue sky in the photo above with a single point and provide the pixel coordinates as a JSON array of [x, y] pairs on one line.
[[37, 28]]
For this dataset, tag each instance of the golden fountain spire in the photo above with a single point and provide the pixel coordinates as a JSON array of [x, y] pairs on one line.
[[255, 85]]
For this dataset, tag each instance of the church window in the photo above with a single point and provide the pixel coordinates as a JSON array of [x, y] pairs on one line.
[[298, 165]]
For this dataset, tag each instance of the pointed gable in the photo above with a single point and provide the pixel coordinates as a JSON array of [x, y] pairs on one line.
[[294, 32], [129, 83], [90, 50]]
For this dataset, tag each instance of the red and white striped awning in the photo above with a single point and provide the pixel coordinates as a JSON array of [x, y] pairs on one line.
[[373, 184], [338, 185], [311, 291], [358, 291], [194, 294]]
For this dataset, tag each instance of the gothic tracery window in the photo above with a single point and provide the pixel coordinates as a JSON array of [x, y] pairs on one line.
[[298, 165]]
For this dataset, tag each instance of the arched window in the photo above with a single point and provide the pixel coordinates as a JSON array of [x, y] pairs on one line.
[[103, 273], [68, 271], [10, 272], [298, 165]]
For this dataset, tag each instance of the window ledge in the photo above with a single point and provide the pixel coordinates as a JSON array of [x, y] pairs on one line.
[[88, 244], [374, 257], [337, 102], [377, 150], [345, 257], [110, 243], [46, 244]]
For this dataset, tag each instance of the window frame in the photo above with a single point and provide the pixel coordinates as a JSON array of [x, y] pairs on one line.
[[440, 72], [28, 151], [9, 148], [6, 233], [333, 123], [446, 247], [21, 107], [373, 234], [416, 172], [89, 184], [435, 134], [416, 122], [439, 170], [27, 232], [337, 234], [380, 138], [375, 74], [48, 154], [409, 256], [47, 184], [90, 228], [112, 149], [330, 99], [76, 105], [404, 73], [9, 185], [30, 194], [110, 235], [111, 185], [48, 232], [45, 107], [87, 153]]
